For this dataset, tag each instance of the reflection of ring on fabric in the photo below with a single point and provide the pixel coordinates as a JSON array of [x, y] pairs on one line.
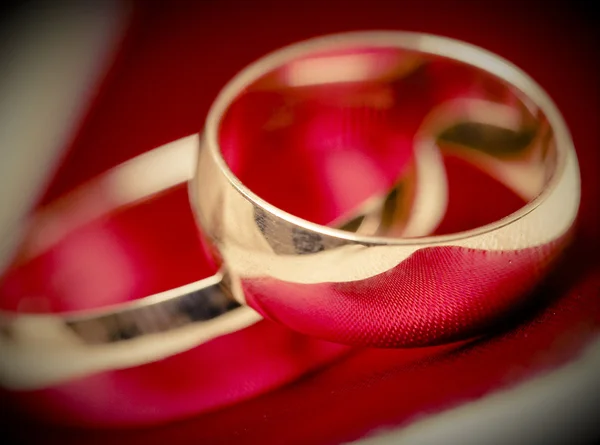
[[378, 290]]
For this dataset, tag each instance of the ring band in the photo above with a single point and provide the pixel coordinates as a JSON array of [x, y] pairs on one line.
[[43, 349], [376, 290]]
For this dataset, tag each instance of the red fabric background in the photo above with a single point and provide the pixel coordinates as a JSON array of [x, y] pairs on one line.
[[178, 55]]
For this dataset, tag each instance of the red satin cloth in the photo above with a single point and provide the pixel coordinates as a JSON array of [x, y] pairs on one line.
[[171, 65]]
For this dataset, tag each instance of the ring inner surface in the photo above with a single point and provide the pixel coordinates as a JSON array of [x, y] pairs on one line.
[[384, 141]]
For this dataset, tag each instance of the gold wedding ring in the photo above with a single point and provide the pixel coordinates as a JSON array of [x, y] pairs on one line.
[[410, 289]]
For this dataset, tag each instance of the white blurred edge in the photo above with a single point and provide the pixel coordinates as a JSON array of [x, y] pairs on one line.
[[53, 56], [557, 407]]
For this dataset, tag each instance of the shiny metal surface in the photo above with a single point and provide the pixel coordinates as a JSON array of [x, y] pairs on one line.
[[304, 273]]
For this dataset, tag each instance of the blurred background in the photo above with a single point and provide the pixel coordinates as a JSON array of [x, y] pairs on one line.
[[88, 85]]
